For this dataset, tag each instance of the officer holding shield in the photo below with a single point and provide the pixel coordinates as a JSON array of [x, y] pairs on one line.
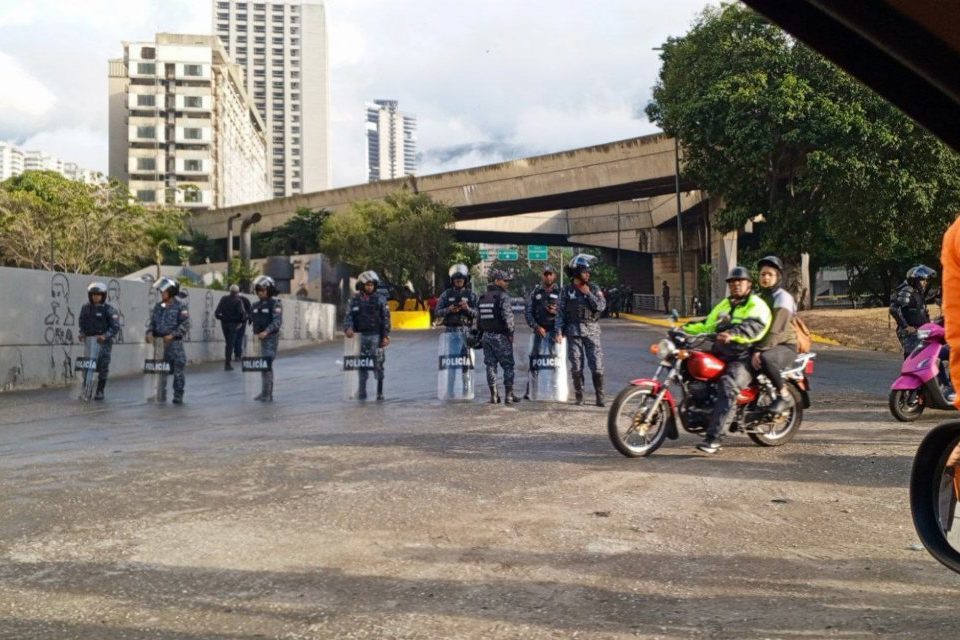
[[541, 314], [369, 316]]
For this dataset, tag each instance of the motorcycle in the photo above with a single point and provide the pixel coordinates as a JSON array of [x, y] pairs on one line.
[[646, 412], [920, 384]]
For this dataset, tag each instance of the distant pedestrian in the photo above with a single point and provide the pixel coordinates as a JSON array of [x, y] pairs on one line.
[[232, 314], [665, 292]]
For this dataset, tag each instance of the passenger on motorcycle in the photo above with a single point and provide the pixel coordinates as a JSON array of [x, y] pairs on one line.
[[777, 349], [739, 321]]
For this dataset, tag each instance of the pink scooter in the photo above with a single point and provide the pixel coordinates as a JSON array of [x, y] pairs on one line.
[[919, 385]]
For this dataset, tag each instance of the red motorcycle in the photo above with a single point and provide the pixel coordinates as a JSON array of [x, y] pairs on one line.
[[646, 413]]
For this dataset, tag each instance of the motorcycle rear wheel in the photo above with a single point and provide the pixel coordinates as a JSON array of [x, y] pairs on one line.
[[784, 433], [628, 437], [906, 405]]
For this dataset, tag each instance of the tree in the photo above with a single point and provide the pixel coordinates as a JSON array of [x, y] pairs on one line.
[[401, 237], [50, 222], [299, 234], [526, 274], [775, 129]]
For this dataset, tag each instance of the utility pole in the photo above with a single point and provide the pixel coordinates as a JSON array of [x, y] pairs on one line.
[[618, 245], [683, 286]]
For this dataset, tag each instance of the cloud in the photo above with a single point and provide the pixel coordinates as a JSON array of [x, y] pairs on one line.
[[86, 147], [25, 101]]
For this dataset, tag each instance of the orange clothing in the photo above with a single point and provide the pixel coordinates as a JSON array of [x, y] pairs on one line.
[[950, 259]]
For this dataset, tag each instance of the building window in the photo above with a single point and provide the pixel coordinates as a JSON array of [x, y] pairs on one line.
[[261, 106], [259, 73], [193, 165], [295, 141], [294, 74], [242, 6], [295, 86], [277, 139], [278, 95], [242, 17], [259, 39], [277, 40], [259, 17], [294, 107], [242, 61], [294, 31], [259, 28], [295, 42], [193, 70], [223, 5], [148, 53], [223, 16], [294, 52], [192, 133], [278, 85], [295, 185], [278, 128], [259, 51], [295, 152], [294, 19], [294, 118], [147, 196], [278, 17], [296, 163], [259, 84], [259, 95], [146, 100], [241, 51], [223, 27], [146, 69], [147, 132], [278, 52], [242, 40], [278, 29], [260, 62], [146, 164], [278, 73], [294, 96], [192, 195], [193, 102], [259, 7]]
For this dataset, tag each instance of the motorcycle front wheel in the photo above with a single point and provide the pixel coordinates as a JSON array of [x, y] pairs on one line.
[[906, 405], [785, 426], [625, 426]]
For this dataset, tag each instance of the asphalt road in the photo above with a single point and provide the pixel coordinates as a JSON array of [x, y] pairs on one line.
[[317, 518]]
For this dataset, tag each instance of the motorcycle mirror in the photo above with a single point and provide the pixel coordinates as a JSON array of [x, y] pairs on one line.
[[934, 493]]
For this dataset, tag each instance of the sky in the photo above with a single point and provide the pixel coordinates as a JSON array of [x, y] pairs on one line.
[[487, 81]]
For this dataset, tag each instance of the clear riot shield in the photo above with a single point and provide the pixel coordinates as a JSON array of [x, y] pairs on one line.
[[155, 372], [254, 365], [455, 377], [547, 376], [361, 364], [85, 370]]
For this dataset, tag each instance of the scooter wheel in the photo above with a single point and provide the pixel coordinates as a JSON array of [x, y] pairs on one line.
[[906, 405]]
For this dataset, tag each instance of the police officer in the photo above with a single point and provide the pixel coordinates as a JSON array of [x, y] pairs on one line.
[[170, 321], [457, 310], [908, 306], [99, 319], [266, 318], [233, 315], [368, 315], [580, 306], [739, 321], [541, 313], [496, 322]]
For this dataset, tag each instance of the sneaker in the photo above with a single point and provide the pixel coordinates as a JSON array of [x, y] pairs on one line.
[[709, 446]]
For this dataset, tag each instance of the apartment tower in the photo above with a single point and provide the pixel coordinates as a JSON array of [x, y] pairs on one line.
[[391, 141], [282, 48]]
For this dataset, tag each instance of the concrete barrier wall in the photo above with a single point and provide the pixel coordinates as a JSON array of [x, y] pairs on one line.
[[40, 311]]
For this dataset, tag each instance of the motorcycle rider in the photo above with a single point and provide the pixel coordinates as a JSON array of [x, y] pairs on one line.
[[777, 349], [266, 318], [99, 319], [457, 309], [580, 306], [368, 315], [739, 321], [541, 313], [908, 306], [496, 322], [170, 321]]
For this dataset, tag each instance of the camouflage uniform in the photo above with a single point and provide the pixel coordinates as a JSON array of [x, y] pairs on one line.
[[496, 321], [171, 319], [267, 315], [369, 316], [458, 323], [577, 316]]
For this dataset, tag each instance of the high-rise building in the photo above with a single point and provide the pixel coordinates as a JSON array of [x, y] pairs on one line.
[[14, 161], [282, 48], [182, 129], [11, 161], [391, 141]]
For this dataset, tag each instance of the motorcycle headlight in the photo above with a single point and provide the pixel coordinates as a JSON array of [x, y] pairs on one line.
[[923, 334], [666, 348]]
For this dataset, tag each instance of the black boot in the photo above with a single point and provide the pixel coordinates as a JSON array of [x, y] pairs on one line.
[[508, 397], [598, 388], [578, 388], [494, 397], [100, 385], [380, 389]]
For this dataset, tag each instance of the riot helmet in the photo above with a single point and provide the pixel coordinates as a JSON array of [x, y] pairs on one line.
[[918, 273], [166, 284], [266, 283], [580, 264], [461, 271], [94, 288], [739, 273]]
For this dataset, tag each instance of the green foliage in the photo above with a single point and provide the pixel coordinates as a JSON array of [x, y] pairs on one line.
[[50, 222], [300, 234], [774, 128], [401, 237], [237, 274], [527, 274]]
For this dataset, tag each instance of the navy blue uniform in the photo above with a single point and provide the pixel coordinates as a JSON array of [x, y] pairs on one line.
[[172, 319], [100, 320], [496, 321], [369, 316], [267, 315]]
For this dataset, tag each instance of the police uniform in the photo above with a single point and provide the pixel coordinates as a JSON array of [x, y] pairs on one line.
[[100, 320], [369, 316], [577, 316], [457, 324], [909, 309], [538, 315], [496, 322], [267, 315], [172, 319]]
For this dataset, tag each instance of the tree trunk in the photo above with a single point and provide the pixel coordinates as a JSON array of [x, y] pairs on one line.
[[793, 281]]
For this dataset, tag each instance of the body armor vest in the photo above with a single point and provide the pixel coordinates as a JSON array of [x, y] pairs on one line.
[[366, 314], [457, 319], [491, 314], [262, 314]]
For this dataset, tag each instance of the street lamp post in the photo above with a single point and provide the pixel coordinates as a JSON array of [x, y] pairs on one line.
[[683, 286], [618, 245]]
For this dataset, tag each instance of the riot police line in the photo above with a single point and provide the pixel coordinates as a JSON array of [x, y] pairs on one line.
[[564, 323]]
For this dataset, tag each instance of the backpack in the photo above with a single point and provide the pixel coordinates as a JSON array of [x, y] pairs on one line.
[[803, 335]]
